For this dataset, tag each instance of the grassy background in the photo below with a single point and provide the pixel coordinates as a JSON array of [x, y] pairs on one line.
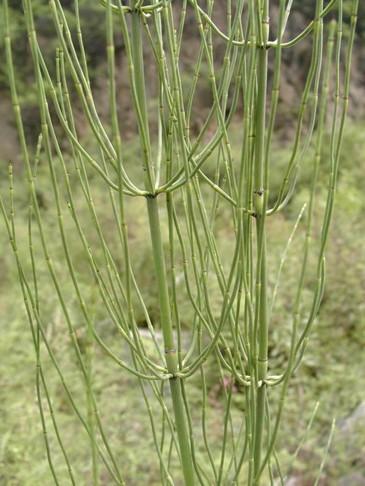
[[332, 371]]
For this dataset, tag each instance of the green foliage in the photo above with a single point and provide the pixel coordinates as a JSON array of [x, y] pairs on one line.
[[306, 8], [93, 33], [338, 336], [211, 316]]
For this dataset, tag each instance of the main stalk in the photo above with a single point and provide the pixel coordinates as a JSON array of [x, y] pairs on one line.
[[260, 203], [159, 260], [169, 342]]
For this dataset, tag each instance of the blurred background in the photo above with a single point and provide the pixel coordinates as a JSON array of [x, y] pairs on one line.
[[333, 369]]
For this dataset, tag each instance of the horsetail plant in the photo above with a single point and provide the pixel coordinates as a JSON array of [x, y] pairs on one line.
[[183, 202]]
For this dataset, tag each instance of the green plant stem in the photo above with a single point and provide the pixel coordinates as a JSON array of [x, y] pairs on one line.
[[260, 203], [170, 349]]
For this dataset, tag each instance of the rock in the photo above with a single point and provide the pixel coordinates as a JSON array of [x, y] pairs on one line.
[[355, 479], [294, 481], [355, 420]]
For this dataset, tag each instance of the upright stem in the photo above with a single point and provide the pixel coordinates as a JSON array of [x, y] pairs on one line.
[[170, 349], [90, 406], [260, 203], [140, 86], [159, 262]]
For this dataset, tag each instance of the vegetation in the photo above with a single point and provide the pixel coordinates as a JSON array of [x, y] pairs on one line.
[[103, 315]]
